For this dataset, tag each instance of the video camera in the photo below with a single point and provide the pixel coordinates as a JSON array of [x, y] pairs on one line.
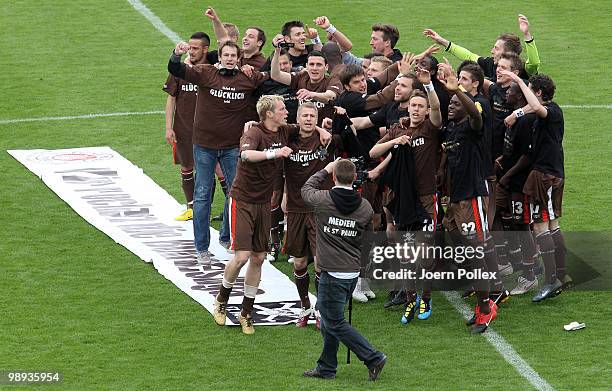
[[286, 45], [361, 171]]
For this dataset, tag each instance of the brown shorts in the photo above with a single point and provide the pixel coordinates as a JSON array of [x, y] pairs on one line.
[[545, 194], [182, 152], [249, 226], [469, 217], [301, 234], [514, 204], [374, 194], [431, 205]]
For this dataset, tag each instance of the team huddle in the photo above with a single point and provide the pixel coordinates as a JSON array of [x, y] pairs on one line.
[[471, 155]]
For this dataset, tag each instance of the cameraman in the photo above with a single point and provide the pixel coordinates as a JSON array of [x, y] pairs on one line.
[[342, 216]]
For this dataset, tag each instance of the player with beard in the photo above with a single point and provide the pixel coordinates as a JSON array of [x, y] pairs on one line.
[[180, 108], [220, 114], [309, 156], [544, 185], [421, 131], [512, 204], [465, 217], [505, 43], [312, 85]]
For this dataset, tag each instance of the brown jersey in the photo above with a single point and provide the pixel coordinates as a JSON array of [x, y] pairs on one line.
[[222, 105], [186, 94], [302, 80], [308, 158], [425, 146], [257, 61], [254, 182]]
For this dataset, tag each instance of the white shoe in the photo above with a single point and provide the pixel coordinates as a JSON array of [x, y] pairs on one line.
[[505, 270], [269, 257], [203, 258], [291, 259], [365, 288], [524, 286], [358, 295]]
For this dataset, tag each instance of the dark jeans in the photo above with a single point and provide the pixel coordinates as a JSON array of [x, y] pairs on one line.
[[333, 294]]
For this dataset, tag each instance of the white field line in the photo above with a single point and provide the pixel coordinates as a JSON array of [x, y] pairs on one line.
[[502, 346], [84, 116], [155, 21]]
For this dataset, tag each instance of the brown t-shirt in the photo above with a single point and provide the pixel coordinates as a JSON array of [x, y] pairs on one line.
[[426, 147], [222, 105], [302, 80], [186, 94], [257, 61], [304, 162], [254, 182]]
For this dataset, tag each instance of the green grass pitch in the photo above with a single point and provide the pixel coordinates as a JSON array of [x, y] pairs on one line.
[[75, 302]]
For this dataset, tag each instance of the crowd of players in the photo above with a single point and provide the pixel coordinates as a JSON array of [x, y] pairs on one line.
[[475, 152]]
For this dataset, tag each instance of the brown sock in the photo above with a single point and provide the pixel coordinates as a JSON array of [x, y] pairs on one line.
[[302, 280], [560, 252], [547, 249], [490, 258], [528, 250], [247, 306], [188, 185], [223, 185], [224, 294]]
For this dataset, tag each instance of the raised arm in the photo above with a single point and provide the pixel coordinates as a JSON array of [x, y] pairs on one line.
[[454, 49], [218, 28], [532, 65], [275, 72], [310, 191], [450, 82], [335, 34], [175, 66], [435, 115], [531, 98]]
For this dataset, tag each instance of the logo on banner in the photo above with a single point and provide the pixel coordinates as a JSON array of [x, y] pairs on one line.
[[69, 157]]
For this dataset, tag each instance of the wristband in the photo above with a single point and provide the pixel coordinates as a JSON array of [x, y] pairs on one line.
[[175, 57], [448, 46], [518, 113], [429, 87], [331, 29], [531, 40], [316, 40], [270, 154]]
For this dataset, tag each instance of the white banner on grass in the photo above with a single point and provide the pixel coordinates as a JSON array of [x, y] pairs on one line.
[[115, 196]]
